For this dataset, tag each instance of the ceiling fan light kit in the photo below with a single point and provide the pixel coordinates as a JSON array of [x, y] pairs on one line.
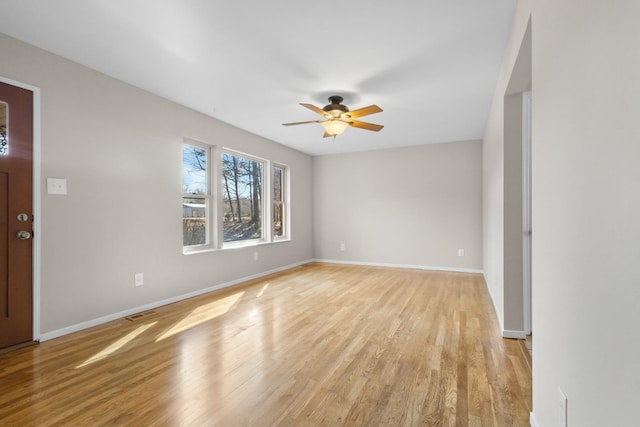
[[337, 117], [334, 127]]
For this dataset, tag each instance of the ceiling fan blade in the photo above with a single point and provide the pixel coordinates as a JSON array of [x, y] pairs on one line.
[[302, 123], [364, 111], [314, 109], [365, 125]]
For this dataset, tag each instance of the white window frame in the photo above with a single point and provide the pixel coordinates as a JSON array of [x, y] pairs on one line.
[[286, 229], [208, 198], [214, 200], [265, 218]]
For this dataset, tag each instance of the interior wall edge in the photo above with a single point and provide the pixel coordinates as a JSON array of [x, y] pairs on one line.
[[497, 312]]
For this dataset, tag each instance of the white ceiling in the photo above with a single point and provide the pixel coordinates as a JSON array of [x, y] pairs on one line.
[[431, 65]]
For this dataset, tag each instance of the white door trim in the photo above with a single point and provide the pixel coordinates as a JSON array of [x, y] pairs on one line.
[[37, 207], [526, 209]]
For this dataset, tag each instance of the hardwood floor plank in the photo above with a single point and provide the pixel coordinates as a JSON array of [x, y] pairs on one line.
[[317, 345]]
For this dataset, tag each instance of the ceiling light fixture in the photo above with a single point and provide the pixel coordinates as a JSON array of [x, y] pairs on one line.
[[334, 127]]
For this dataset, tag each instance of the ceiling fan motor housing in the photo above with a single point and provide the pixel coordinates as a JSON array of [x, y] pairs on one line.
[[335, 108]]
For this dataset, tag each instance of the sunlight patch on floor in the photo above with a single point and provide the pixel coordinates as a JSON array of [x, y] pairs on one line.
[[202, 314], [262, 291], [116, 345]]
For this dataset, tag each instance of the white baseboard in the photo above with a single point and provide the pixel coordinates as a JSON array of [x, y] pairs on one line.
[[519, 335], [532, 420], [417, 267], [506, 333], [108, 318]]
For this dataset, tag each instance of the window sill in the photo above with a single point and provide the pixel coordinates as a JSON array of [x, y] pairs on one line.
[[231, 246], [252, 243], [199, 250]]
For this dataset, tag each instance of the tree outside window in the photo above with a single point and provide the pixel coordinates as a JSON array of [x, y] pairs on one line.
[[195, 196], [278, 201], [248, 203], [242, 189]]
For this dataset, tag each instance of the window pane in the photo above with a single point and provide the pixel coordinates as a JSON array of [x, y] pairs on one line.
[[278, 206], [242, 198], [278, 229], [277, 184], [194, 221], [194, 170]]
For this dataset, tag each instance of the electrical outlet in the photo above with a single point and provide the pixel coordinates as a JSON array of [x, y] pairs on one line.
[[255, 256], [139, 279], [343, 247], [562, 409], [460, 252]]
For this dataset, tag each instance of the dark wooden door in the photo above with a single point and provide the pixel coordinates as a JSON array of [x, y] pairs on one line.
[[16, 215]]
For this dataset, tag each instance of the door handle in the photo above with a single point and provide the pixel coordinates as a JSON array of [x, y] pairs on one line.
[[23, 235]]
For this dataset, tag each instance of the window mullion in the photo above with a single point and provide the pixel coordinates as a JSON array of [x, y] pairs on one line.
[[267, 202], [217, 197]]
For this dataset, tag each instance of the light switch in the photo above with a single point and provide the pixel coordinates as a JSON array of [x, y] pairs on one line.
[[56, 186]]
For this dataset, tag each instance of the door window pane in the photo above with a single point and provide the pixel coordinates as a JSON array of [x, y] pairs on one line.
[[4, 125]]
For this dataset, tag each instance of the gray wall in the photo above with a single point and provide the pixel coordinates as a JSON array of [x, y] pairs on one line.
[[513, 220], [120, 150], [586, 210], [586, 205], [412, 206]]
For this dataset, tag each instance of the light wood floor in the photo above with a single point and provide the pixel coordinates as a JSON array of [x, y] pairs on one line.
[[318, 345]]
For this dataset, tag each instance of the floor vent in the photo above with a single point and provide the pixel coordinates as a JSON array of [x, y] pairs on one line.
[[139, 316]]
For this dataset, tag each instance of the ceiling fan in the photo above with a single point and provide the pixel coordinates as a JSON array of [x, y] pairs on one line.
[[337, 117]]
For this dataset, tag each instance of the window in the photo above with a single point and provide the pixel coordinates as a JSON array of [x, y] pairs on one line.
[[196, 196], [4, 124], [242, 181], [245, 202], [278, 202]]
